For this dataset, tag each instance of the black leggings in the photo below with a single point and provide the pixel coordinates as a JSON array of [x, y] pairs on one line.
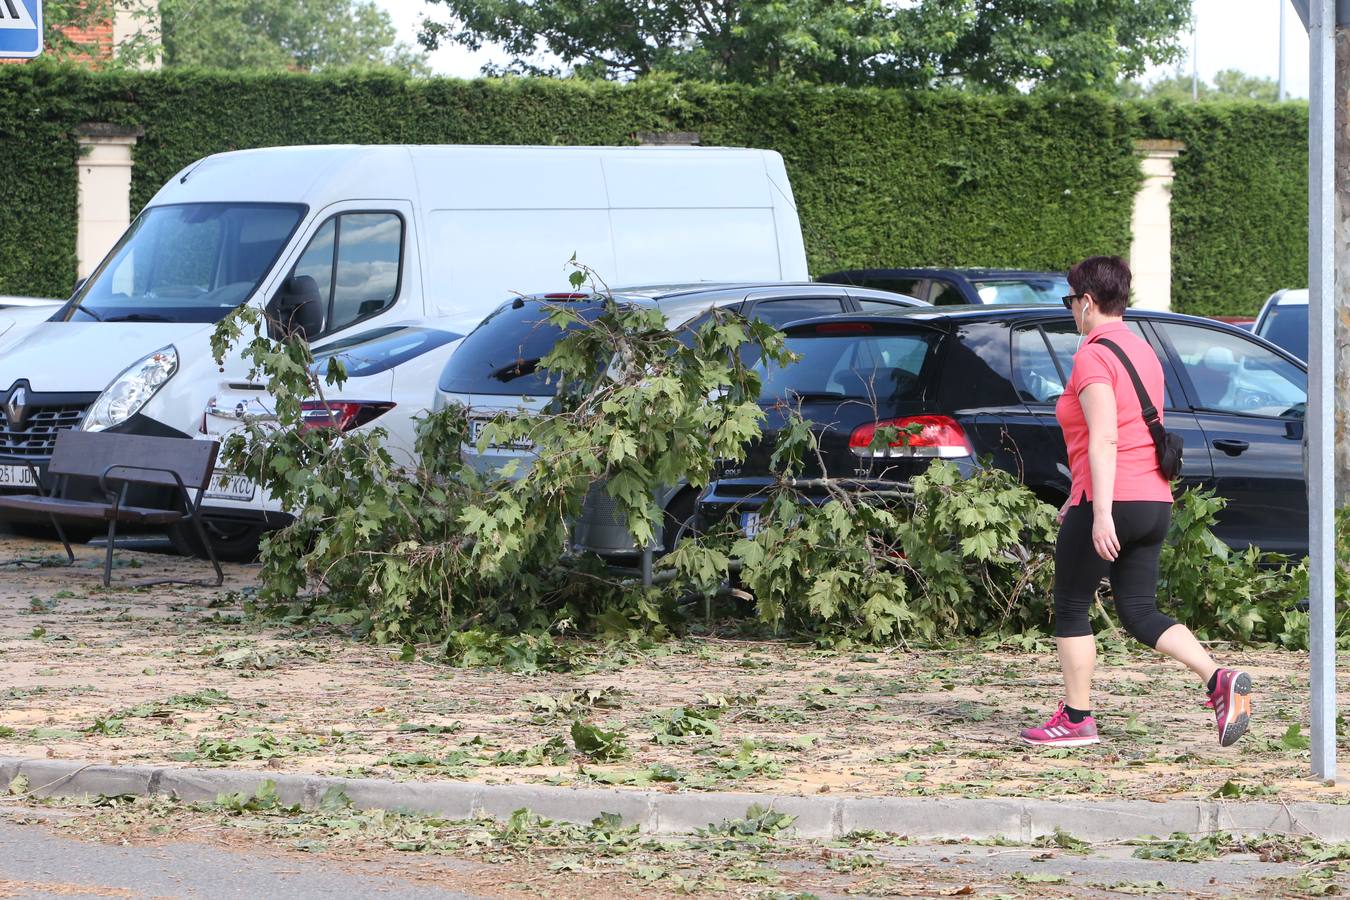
[[1141, 526]]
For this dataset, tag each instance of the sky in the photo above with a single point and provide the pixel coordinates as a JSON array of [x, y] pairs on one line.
[[1230, 34]]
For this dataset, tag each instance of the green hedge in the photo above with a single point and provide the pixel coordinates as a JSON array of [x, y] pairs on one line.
[[1239, 202], [881, 177]]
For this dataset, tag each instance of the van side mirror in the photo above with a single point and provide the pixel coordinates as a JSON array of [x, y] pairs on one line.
[[297, 308]]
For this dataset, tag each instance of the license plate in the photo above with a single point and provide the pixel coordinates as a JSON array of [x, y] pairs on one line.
[[225, 486], [476, 427], [17, 477], [750, 526]]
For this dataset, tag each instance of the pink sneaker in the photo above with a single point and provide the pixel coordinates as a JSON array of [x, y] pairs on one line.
[[1232, 702], [1060, 732]]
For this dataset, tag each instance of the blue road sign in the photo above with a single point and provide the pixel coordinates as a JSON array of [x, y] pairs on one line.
[[20, 28]]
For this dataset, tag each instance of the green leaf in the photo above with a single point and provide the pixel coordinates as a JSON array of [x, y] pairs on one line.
[[1293, 739], [597, 743]]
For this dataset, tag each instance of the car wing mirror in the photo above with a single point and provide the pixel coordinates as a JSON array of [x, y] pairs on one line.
[[296, 309]]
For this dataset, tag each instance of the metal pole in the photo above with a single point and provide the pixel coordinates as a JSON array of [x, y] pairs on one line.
[[1284, 11], [1320, 419]]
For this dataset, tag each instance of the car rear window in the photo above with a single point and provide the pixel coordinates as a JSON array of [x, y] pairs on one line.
[[852, 366], [501, 355], [1287, 327], [1023, 290]]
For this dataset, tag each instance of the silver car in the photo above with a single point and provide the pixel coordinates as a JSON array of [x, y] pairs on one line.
[[1284, 321], [494, 370]]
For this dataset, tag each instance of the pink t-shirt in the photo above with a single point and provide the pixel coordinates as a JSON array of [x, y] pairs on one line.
[[1137, 474]]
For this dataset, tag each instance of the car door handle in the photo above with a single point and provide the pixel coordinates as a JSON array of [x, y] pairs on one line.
[[1231, 447]]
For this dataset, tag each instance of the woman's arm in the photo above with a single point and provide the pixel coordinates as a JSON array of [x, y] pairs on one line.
[[1099, 409]]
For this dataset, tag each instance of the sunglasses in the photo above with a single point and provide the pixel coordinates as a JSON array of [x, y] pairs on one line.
[[1068, 300]]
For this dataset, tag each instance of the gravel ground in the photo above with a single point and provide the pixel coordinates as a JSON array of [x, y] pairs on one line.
[[179, 675]]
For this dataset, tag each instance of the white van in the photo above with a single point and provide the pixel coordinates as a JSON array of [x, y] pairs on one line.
[[17, 314], [365, 243]]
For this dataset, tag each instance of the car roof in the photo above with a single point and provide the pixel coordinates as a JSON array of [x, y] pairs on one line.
[[973, 273], [677, 300], [988, 313], [1290, 297]]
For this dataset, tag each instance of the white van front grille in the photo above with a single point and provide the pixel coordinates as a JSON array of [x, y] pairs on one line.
[[35, 436]]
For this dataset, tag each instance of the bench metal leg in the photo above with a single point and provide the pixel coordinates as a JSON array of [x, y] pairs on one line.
[[210, 554], [107, 560], [61, 533], [215, 564]]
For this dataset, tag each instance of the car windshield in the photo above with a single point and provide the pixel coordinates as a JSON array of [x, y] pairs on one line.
[[192, 262], [1287, 327], [853, 366], [1023, 289], [501, 355]]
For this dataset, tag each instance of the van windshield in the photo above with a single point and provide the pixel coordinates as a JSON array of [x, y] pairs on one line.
[[192, 262]]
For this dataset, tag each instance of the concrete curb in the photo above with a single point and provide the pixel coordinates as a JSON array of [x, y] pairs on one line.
[[676, 813]]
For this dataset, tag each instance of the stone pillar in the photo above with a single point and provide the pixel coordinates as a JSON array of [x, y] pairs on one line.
[[103, 207], [1151, 226]]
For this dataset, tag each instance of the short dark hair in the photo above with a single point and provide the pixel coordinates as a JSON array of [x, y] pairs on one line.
[[1107, 279]]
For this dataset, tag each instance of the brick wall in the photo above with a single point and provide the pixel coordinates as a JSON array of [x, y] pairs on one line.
[[95, 43]]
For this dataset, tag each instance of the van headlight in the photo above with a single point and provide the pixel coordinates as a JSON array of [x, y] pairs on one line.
[[131, 390]]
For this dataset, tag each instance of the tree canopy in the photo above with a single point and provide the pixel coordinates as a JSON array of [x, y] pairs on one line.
[[1228, 84], [303, 35], [981, 44]]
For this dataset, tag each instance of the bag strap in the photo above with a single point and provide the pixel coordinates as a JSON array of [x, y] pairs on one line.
[[1145, 403]]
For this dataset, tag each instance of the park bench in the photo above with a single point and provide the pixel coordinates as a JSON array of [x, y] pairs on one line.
[[116, 463]]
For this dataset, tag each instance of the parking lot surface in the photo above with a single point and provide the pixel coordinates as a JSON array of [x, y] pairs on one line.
[[178, 675]]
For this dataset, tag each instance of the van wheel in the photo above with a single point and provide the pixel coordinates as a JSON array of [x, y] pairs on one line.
[[679, 521], [230, 541]]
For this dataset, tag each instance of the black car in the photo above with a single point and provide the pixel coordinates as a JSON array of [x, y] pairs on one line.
[[958, 287], [981, 382], [493, 372]]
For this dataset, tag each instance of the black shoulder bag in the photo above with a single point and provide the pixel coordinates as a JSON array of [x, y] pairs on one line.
[[1168, 444]]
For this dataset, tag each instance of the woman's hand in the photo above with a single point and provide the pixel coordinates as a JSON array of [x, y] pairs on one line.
[[1104, 538]]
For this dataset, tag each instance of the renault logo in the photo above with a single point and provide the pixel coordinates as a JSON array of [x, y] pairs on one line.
[[16, 407]]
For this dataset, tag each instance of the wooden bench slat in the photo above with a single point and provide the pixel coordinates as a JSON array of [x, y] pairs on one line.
[[89, 509], [84, 454]]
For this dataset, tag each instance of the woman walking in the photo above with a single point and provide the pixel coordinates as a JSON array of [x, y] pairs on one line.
[[1117, 514]]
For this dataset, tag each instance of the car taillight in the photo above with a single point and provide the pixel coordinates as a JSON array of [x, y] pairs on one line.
[[344, 415], [937, 436]]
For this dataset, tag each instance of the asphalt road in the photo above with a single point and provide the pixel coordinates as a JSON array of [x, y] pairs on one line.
[[35, 862]]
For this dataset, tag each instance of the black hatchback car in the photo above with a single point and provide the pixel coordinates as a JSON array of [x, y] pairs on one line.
[[958, 287], [981, 382]]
